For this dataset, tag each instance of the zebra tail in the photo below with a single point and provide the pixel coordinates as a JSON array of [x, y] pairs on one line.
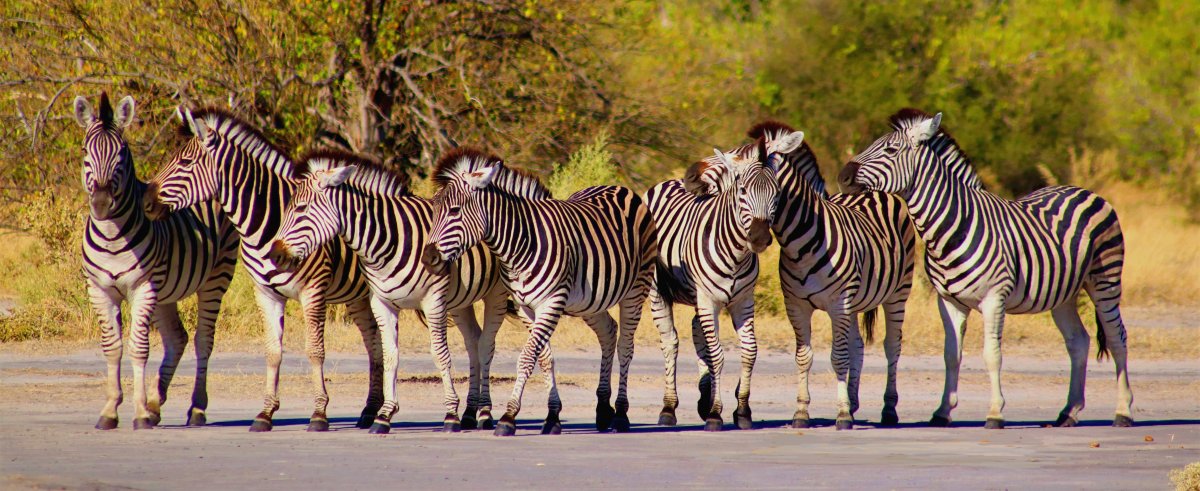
[[868, 325], [1101, 339]]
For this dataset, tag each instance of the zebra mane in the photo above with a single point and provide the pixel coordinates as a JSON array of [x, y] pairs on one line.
[[371, 176], [769, 129], [802, 161], [106, 112], [459, 161], [711, 170], [249, 138], [943, 144]]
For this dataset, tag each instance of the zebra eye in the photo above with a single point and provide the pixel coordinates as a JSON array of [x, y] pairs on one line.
[[891, 150]]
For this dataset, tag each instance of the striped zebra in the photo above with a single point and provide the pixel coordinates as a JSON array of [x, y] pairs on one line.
[[152, 265], [578, 257], [229, 160], [372, 210], [711, 225], [1000, 256]]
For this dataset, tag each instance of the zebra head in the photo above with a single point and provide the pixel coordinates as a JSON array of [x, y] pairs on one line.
[[311, 219], [890, 163], [107, 162], [459, 219], [189, 177], [749, 180]]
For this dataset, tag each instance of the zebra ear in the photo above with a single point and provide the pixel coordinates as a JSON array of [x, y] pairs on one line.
[[125, 112], [925, 130], [335, 177], [481, 178], [83, 112], [788, 144], [198, 126]]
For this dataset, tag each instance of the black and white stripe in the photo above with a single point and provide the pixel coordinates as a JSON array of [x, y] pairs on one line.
[[711, 225], [151, 265], [1000, 256], [577, 257], [230, 161]]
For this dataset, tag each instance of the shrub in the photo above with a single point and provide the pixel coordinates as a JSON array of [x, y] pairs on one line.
[[1186, 478], [591, 165]]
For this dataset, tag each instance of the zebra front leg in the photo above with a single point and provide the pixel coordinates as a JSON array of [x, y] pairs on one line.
[[208, 304], [142, 303], [664, 320], [954, 321], [174, 339], [545, 319], [106, 303], [435, 318], [893, 311], [552, 424], [631, 315], [494, 309], [312, 302], [742, 313], [1107, 298], [385, 318], [1066, 317], [706, 312], [992, 308], [464, 318], [844, 327], [800, 312], [606, 332], [271, 306], [360, 311]]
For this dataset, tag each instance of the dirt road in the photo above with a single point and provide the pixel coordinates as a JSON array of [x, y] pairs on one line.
[[49, 403]]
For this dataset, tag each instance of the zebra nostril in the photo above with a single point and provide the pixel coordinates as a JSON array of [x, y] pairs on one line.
[[847, 178], [432, 259]]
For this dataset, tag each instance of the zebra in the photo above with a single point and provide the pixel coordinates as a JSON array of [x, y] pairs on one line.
[[578, 256], [152, 265], [371, 208], [229, 160], [1000, 256], [711, 225]]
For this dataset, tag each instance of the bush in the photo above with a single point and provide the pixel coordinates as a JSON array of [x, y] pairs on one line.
[[591, 165], [1186, 478]]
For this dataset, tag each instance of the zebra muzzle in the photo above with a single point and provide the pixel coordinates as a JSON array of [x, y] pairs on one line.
[[432, 259], [154, 208], [281, 255], [100, 201], [847, 178], [760, 234]]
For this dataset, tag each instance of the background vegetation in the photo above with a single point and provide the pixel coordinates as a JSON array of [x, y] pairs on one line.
[[1104, 94]]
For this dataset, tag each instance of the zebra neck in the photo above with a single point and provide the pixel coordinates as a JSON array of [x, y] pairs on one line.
[[511, 228], [729, 242], [799, 210], [252, 197], [943, 207], [377, 227]]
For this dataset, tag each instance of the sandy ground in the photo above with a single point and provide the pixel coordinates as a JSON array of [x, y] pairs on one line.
[[48, 404]]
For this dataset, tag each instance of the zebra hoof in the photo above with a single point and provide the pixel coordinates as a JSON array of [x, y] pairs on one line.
[[468, 419], [366, 419], [889, 418], [154, 418], [1065, 421], [261, 423], [994, 424], [666, 418], [485, 421], [451, 426], [939, 422], [196, 417], [321, 424], [552, 426], [621, 423], [704, 404], [742, 419], [143, 423], [844, 424], [106, 423], [800, 423], [713, 424], [378, 428], [604, 417], [1121, 421], [506, 427]]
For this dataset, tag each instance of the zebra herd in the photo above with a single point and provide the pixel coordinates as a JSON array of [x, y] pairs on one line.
[[334, 227]]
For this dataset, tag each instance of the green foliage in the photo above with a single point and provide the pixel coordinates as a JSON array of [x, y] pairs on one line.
[[591, 165]]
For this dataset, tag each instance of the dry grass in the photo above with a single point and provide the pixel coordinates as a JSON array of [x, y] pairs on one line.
[[1186, 478]]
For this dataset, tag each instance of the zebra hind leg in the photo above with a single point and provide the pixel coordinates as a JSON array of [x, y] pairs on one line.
[[1111, 337], [893, 311], [360, 312], [660, 310], [1066, 317], [208, 304], [469, 327], [631, 315], [840, 359], [704, 404], [606, 332], [174, 339]]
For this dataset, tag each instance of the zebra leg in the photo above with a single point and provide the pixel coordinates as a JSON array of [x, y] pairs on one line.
[[715, 359], [552, 424], [385, 318], [606, 332], [840, 357], [856, 345], [106, 303], [494, 308], [893, 311], [312, 301], [743, 323], [208, 304], [272, 311], [174, 339], [992, 308], [545, 320], [141, 310], [435, 318], [469, 327], [954, 321], [1107, 298], [664, 320], [799, 312], [364, 318], [631, 315], [1066, 317]]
